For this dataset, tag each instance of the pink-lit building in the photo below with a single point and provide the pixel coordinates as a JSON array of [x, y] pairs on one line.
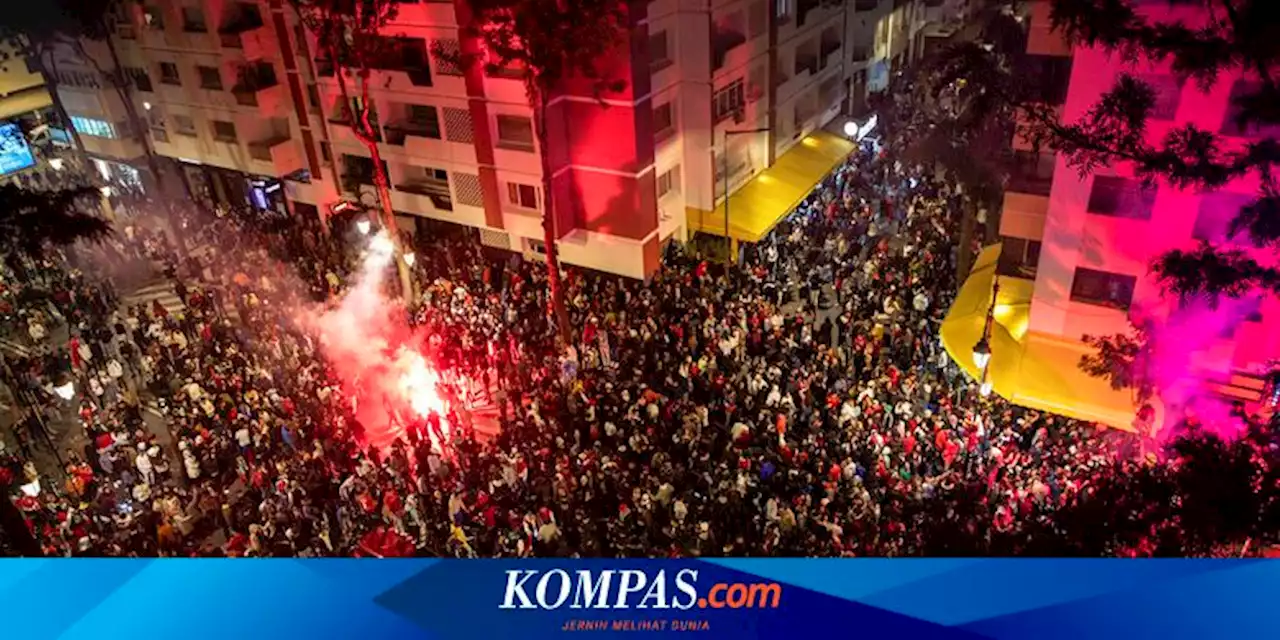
[[1076, 249]]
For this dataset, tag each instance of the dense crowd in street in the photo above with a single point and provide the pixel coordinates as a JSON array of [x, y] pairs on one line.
[[797, 403]]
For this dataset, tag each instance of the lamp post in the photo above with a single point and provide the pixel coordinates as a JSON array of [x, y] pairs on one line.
[[982, 350], [724, 165]]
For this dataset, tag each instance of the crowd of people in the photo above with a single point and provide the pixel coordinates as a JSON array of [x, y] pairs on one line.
[[796, 403]]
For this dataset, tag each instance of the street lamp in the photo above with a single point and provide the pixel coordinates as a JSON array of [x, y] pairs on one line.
[[56, 163], [724, 164], [851, 129], [409, 258], [982, 353], [106, 191], [982, 350], [363, 225]]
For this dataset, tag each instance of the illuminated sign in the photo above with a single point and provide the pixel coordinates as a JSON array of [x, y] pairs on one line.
[[15, 154]]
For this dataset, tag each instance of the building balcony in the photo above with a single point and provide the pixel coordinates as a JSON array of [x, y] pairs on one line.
[[399, 132], [257, 43], [276, 156], [125, 149], [437, 192]]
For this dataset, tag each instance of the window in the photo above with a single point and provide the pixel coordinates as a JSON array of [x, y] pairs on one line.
[[184, 126], [153, 16], [1217, 210], [728, 32], [210, 78], [807, 57], [1103, 288], [1051, 75], [140, 78], [664, 125], [1168, 93], [1031, 172], [1245, 90], [224, 131], [522, 195], [1121, 198], [425, 119], [1019, 258], [193, 20], [659, 54], [669, 181], [515, 132], [728, 101], [313, 98], [169, 74], [326, 153], [93, 127], [865, 5], [431, 174]]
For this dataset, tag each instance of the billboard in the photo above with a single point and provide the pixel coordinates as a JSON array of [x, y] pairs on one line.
[[15, 154]]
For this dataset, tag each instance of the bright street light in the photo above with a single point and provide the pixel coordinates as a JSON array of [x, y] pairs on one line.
[[363, 227], [409, 258], [851, 129], [146, 105], [106, 191], [56, 163], [985, 388], [982, 353]]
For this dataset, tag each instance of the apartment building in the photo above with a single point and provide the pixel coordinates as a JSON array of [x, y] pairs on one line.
[[24, 104], [719, 94], [1075, 250]]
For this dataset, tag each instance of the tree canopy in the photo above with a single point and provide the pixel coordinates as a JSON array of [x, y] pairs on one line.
[[546, 41], [33, 221], [1236, 36]]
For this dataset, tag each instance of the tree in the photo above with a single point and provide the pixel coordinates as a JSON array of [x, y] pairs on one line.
[[352, 36], [961, 126], [1124, 360], [547, 42], [33, 221], [1238, 35]]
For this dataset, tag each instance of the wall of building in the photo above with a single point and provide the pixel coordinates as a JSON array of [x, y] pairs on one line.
[[1082, 236]]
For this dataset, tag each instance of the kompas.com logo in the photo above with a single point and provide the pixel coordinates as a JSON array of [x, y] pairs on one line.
[[631, 589]]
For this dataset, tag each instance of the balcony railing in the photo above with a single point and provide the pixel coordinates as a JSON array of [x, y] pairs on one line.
[[437, 192], [397, 131]]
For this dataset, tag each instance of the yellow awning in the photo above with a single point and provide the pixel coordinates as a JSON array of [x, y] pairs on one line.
[[24, 101], [1034, 370], [756, 207]]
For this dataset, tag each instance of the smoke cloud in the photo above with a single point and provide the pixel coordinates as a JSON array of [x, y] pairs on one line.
[[378, 357]]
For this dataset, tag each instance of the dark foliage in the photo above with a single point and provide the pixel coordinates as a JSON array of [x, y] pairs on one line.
[[33, 221]]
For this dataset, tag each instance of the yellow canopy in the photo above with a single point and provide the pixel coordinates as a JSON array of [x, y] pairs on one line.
[[1034, 370], [756, 207]]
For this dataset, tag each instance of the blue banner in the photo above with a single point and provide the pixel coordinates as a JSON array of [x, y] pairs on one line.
[[403, 599]]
